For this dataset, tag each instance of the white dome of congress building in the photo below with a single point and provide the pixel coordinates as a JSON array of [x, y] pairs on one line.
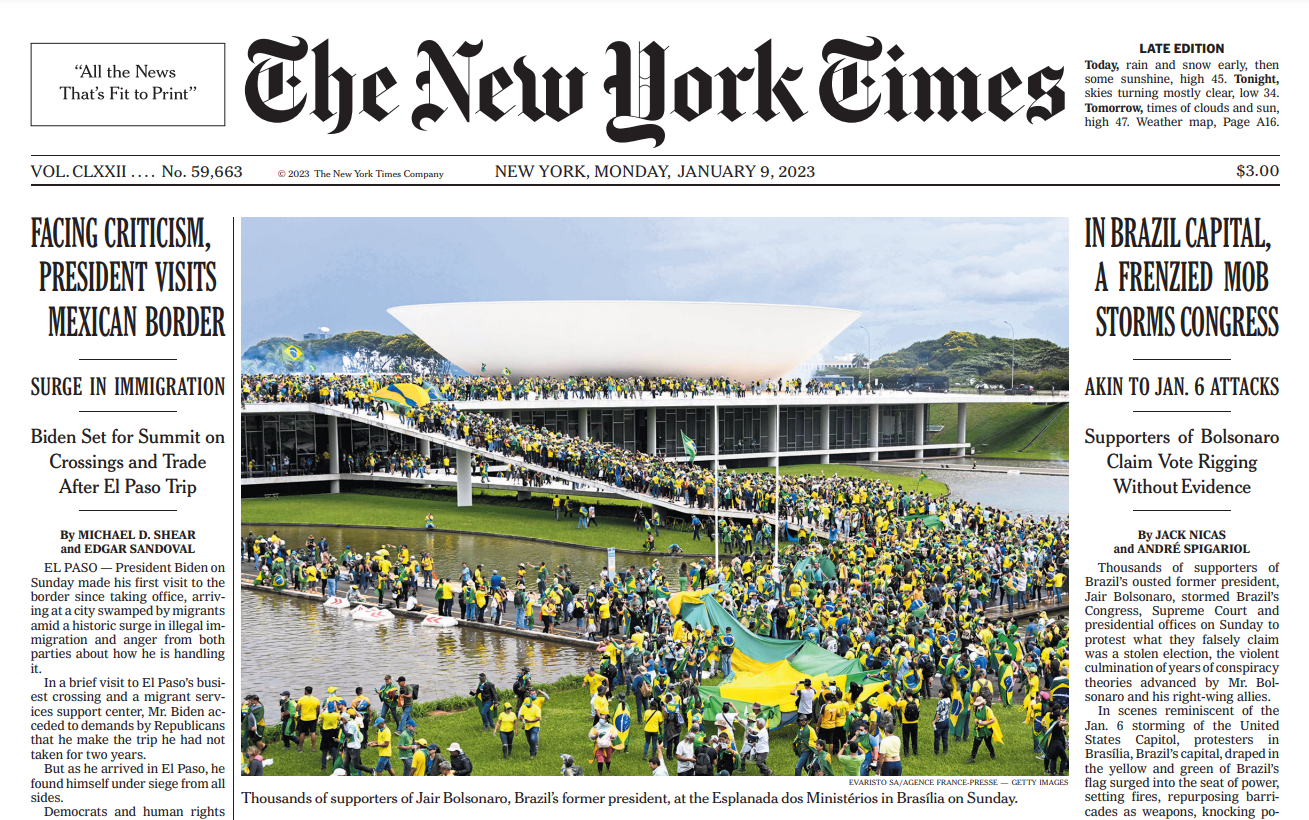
[[610, 338]]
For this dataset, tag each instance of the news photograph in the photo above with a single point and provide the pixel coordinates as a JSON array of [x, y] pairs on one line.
[[684, 496]]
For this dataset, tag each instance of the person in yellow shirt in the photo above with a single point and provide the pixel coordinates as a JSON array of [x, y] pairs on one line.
[[831, 722], [329, 721], [548, 610], [530, 714], [383, 746], [593, 680], [885, 701], [600, 705], [505, 723], [307, 720], [653, 722], [420, 758]]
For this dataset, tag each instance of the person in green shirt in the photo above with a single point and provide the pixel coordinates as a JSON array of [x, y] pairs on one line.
[[822, 765], [805, 745], [389, 693], [983, 728], [254, 722], [445, 594], [405, 746]]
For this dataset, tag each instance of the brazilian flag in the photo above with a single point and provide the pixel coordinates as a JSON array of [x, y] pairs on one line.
[[1059, 691], [689, 446], [1001, 645], [912, 682], [279, 581], [1007, 684], [292, 355], [623, 723], [1042, 738], [958, 713], [961, 670]]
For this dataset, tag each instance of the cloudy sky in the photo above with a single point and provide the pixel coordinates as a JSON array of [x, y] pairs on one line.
[[913, 279]]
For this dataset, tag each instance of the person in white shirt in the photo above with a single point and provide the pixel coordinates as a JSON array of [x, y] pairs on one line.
[[354, 740], [755, 749], [804, 697], [728, 718], [657, 767], [685, 754]]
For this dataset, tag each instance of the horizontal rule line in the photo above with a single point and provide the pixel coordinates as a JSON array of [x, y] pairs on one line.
[[649, 185], [127, 510], [127, 411], [1201, 510], [1181, 411], [127, 360], [1181, 360], [645, 157]]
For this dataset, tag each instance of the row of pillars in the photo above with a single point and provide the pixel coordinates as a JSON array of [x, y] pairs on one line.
[[463, 464], [824, 431]]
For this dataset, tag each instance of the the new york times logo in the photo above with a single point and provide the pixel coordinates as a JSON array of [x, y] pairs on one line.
[[859, 80]]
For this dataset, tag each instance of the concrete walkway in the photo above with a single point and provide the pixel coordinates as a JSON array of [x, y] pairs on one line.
[[464, 450]]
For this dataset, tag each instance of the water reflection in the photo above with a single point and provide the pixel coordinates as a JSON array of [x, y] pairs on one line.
[[289, 644], [450, 551], [1024, 493]]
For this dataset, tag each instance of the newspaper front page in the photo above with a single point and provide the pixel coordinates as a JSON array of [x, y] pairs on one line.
[[521, 391]]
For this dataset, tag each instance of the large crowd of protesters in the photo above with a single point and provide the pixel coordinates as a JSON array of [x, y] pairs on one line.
[[844, 505], [927, 590], [331, 389], [941, 612]]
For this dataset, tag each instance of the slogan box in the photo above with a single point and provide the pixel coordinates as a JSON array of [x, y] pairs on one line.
[[128, 84]]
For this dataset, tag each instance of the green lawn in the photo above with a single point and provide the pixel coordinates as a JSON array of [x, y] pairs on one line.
[[493, 512], [1002, 430], [567, 720], [494, 519]]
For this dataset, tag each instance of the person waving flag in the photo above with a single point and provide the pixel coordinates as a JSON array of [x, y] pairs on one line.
[[689, 446]]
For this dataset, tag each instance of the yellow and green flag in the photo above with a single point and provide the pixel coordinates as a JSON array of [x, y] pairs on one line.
[[292, 354]]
